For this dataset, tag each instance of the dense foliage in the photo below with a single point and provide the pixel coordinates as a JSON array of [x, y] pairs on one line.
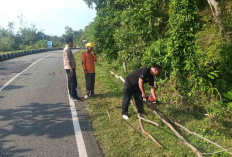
[[181, 35]]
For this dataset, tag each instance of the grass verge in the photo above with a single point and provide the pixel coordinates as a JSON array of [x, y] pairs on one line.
[[119, 138]]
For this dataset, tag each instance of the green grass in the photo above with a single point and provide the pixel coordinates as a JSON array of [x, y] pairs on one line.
[[118, 138]]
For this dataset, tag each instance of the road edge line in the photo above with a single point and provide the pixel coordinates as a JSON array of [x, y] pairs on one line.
[[77, 129]]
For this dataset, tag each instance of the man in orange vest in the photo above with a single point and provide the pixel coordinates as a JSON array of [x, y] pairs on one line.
[[88, 60]]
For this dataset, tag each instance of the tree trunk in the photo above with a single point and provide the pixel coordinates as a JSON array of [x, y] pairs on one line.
[[214, 5], [125, 67]]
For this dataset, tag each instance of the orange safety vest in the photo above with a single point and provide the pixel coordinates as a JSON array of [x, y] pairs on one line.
[[88, 62]]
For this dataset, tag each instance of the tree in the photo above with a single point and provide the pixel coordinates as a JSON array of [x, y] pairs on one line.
[[216, 11], [98, 3], [11, 27], [68, 31]]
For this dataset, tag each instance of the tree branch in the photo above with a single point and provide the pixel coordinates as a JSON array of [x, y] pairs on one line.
[[193, 133]]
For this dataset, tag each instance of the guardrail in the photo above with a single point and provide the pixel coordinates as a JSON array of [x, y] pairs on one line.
[[24, 53]]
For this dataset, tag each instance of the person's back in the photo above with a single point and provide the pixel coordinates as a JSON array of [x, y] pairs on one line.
[[143, 73]]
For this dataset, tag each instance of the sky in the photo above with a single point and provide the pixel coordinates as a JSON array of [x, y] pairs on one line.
[[49, 16]]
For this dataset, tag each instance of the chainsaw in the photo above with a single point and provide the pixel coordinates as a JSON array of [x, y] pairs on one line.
[[150, 102]]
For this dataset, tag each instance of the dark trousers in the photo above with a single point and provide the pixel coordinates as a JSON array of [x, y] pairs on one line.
[[89, 83], [128, 91], [72, 83]]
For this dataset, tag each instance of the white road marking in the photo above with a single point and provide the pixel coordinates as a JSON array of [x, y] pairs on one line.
[[77, 129], [11, 80]]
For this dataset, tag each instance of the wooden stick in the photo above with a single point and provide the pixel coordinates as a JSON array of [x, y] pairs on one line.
[[88, 109], [149, 121], [193, 133], [118, 77], [128, 124], [149, 135], [214, 152], [143, 130], [168, 123], [108, 114]]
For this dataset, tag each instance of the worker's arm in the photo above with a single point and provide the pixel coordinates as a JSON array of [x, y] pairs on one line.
[[83, 58], [141, 87], [153, 92]]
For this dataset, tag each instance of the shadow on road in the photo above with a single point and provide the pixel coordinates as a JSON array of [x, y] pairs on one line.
[[12, 87], [11, 151], [8, 68], [48, 120]]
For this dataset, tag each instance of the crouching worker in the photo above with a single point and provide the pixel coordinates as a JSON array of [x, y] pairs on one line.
[[134, 85]]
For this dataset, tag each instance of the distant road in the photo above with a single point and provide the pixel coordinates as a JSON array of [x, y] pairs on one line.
[[35, 115]]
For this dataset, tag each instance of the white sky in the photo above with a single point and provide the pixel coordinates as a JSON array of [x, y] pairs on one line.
[[51, 16]]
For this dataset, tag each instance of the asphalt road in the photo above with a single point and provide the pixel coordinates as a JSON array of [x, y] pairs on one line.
[[35, 112]]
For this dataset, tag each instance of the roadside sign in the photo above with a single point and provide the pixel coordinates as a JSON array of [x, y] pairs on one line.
[[49, 43]]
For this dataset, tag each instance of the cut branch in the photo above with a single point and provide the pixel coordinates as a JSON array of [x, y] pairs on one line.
[[118, 77], [214, 152], [143, 130], [149, 135], [193, 133], [149, 121], [168, 123], [108, 114]]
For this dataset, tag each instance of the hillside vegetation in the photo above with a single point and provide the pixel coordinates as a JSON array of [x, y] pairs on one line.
[[191, 39], [181, 35]]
